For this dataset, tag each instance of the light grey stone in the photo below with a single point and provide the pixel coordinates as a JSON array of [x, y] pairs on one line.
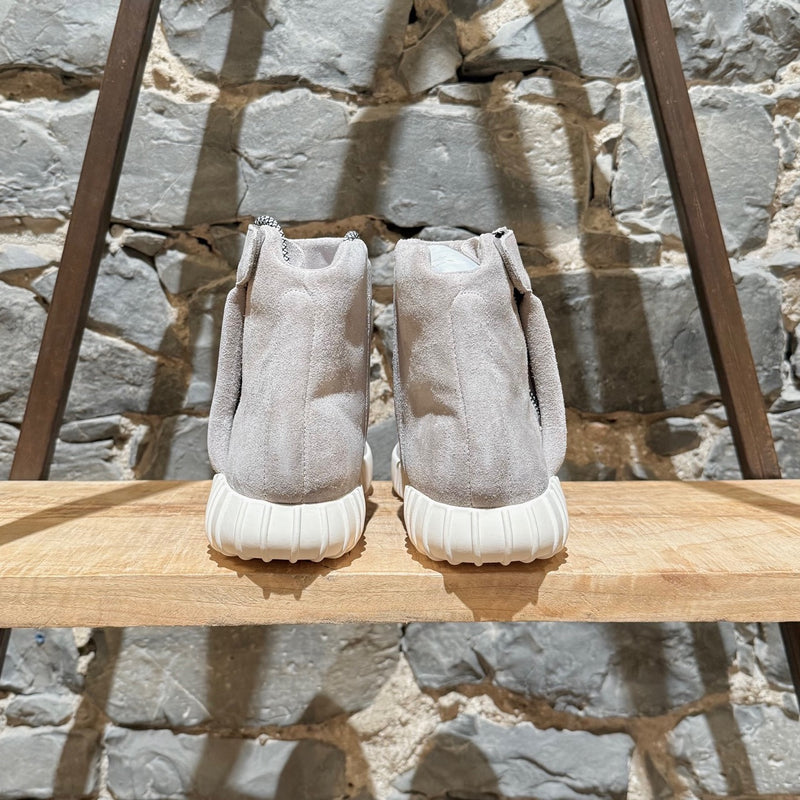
[[150, 765], [442, 233], [41, 669], [384, 325], [229, 242], [783, 264], [48, 708], [240, 677], [147, 242], [8, 444], [471, 757], [592, 669], [593, 471], [617, 250], [89, 461], [434, 59], [382, 438], [180, 165], [15, 257], [761, 645], [40, 763], [495, 166], [633, 339], [722, 463], [114, 377], [127, 301], [311, 40], [39, 660], [21, 325], [381, 269], [788, 399], [739, 750], [672, 435], [465, 9], [296, 148], [742, 160], [717, 413], [788, 133], [60, 35], [91, 430], [181, 450], [473, 94], [184, 269], [748, 40], [590, 98], [41, 146], [573, 35]]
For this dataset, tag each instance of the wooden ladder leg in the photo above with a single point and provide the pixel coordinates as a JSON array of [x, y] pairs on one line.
[[5, 635], [707, 255], [91, 214]]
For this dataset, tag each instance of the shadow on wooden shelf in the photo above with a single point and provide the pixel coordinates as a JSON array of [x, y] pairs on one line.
[[110, 554], [747, 492], [122, 494], [283, 578], [469, 582]]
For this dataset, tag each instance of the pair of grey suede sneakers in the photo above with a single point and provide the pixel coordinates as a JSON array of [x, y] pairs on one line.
[[480, 413]]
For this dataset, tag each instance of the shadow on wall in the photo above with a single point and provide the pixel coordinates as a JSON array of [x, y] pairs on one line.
[[647, 676], [453, 767], [222, 712], [447, 755], [217, 176], [591, 329], [587, 330], [558, 41]]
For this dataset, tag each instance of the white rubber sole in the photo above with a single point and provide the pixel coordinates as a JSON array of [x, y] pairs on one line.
[[249, 528], [522, 532]]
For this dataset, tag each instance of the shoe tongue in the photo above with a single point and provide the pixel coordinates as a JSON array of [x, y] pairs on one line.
[[506, 244]]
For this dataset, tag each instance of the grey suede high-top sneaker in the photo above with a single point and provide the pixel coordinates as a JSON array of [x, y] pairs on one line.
[[480, 413], [288, 421]]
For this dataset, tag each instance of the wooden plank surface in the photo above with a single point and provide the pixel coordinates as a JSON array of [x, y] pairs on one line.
[[135, 554]]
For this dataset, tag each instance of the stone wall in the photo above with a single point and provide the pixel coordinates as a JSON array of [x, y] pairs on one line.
[[430, 118]]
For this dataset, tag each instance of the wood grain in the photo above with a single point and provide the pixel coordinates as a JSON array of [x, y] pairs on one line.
[[135, 553]]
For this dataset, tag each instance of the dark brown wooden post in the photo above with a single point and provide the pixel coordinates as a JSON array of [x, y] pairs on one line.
[[5, 635], [91, 214], [707, 255]]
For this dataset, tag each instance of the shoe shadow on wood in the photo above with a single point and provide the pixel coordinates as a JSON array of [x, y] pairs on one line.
[[285, 578], [491, 592]]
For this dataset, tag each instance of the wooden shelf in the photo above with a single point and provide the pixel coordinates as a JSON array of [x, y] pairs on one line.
[[135, 553]]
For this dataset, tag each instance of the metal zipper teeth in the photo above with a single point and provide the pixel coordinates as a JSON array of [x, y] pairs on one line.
[[499, 234]]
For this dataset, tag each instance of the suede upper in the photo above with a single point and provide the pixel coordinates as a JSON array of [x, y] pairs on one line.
[[472, 347], [289, 414]]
